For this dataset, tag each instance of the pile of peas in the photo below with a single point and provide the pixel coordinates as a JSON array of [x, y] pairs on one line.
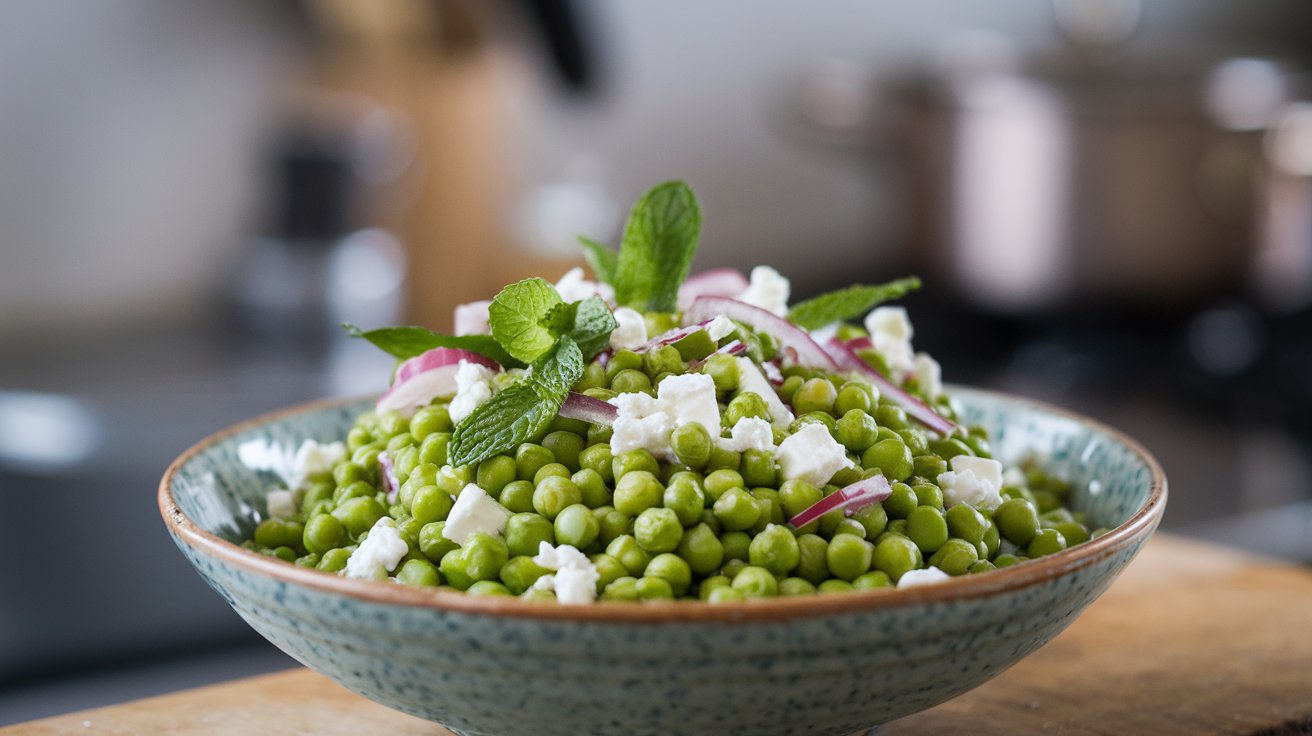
[[711, 525]]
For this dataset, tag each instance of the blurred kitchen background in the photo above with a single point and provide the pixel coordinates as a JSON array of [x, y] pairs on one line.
[[1110, 200]]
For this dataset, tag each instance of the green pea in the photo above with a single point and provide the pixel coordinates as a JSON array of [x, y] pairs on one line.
[[621, 589], [359, 515], [891, 457], [530, 458], [696, 346], [594, 376], [324, 532], [658, 530], [1074, 533], [452, 567], [484, 556], [929, 467], [817, 394], [955, 557], [848, 556], [495, 473], [775, 549], [565, 447], [418, 572], [901, 501], [927, 527], [814, 417], [433, 448], [723, 369], [392, 423], [758, 468], [873, 519], [692, 445], [673, 570], [1006, 560], [553, 493], [736, 509], [872, 580], [897, 526], [685, 497], [623, 360], [520, 572], [895, 555], [576, 526], [654, 589], [891, 416], [662, 359], [724, 594], [317, 493], [949, 448], [718, 482], [1046, 542], [356, 438], [788, 389], [631, 381], [834, 586], [357, 489], [853, 396], [731, 568], [772, 512], [598, 459], [517, 496], [428, 420], [1017, 520], [848, 526], [992, 540], [928, 494], [981, 566], [747, 404], [722, 459], [966, 522], [454, 479], [635, 461], [629, 553], [637, 491], [550, 470], [756, 582], [334, 560], [708, 518], [609, 569], [610, 523], [432, 544], [486, 588], [705, 587], [702, 550], [796, 496], [405, 461], [856, 430], [431, 504], [736, 545], [978, 445]]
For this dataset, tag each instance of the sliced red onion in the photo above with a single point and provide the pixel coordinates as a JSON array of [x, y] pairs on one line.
[[732, 348], [920, 411], [595, 411], [426, 376], [670, 336], [771, 370], [851, 499], [390, 483], [790, 336], [715, 282], [860, 343], [472, 318]]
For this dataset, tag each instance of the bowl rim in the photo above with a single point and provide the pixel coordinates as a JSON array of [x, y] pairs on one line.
[[1033, 572]]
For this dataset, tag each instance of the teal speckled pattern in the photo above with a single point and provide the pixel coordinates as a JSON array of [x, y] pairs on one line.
[[820, 666]]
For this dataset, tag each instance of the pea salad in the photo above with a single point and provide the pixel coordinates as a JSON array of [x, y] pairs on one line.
[[651, 436]]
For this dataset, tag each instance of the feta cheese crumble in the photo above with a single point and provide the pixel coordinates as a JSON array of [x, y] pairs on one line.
[[720, 328], [294, 468], [811, 455], [973, 480], [890, 334], [281, 503], [644, 422], [572, 287], [928, 576], [379, 553], [473, 387], [575, 578], [631, 332], [750, 433], [767, 289], [751, 379], [474, 511], [929, 376], [690, 398]]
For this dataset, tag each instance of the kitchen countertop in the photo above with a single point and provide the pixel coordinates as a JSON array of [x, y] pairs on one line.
[[1192, 639]]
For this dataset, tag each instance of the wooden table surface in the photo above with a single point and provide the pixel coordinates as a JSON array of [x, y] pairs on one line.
[[1192, 639]]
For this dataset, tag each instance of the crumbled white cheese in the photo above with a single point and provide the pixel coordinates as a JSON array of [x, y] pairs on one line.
[[928, 576], [643, 422], [281, 503], [811, 455], [720, 328], [575, 579], [973, 480], [294, 467], [890, 334], [473, 387], [631, 332], [472, 318], [750, 433], [929, 376], [474, 511], [767, 289], [572, 287], [379, 553], [751, 379]]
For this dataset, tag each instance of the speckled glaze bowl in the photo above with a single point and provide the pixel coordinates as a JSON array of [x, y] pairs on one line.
[[836, 664]]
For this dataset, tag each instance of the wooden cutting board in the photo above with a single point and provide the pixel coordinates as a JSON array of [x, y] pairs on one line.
[[1192, 639]]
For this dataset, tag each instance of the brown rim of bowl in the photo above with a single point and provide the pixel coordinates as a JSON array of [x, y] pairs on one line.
[[968, 587]]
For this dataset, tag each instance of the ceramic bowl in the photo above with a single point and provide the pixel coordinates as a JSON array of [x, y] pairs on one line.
[[836, 664]]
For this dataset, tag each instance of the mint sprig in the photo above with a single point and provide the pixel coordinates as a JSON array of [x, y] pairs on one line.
[[656, 250], [408, 341], [517, 316], [521, 410], [849, 303]]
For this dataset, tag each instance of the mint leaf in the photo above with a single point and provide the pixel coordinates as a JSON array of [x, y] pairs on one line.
[[516, 316], [592, 325], [601, 259], [848, 303], [409, 341], [659, 241], [519, 411]]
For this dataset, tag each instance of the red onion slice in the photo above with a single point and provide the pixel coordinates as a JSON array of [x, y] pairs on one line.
[[390, 483], [917, 409], [472, 318], [715, 282], [595, 411], [790, 336], [670, 336], [426, 376], [851, 499]]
